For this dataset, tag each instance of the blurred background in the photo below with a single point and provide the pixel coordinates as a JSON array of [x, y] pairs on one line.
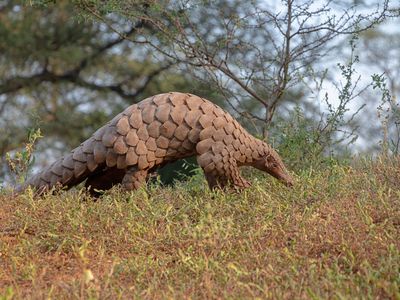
[[317, 79]]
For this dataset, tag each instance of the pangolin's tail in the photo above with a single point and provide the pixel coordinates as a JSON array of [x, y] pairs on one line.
[[67, 171]]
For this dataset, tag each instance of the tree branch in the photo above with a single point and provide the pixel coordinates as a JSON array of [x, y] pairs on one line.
[[19, 82]]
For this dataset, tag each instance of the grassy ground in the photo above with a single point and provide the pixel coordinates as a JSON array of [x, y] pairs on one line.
[[335, 235]]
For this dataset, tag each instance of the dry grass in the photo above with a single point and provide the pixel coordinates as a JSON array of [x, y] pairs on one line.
[[335, 235]]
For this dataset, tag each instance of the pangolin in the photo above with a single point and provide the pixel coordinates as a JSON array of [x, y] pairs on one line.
[[158, 130]]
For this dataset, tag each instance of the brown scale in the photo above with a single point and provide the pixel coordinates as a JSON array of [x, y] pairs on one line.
[[158, 130]]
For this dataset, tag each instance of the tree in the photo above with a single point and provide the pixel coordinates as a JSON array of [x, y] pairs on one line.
[[382, 49], [254, 52]]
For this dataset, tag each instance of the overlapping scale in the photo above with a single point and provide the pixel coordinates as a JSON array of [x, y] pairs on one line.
[[167, 126]]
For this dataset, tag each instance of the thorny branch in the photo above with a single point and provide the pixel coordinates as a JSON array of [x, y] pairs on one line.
[[260, 52]]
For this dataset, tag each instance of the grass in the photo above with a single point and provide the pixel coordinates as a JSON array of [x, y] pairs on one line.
[[335, 235]]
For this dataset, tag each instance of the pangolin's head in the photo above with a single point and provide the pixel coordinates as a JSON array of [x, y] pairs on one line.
[[273, 165]]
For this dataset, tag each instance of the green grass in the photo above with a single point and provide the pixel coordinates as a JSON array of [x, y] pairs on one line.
[[336, 235]]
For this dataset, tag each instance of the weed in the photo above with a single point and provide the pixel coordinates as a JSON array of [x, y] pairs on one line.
[[389, 115], [22, 160]]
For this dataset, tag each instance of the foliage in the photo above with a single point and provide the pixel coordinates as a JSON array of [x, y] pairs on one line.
[[335, 235], [251, 51], [301, 143], [381, 49], [306, 142], [389, 115], [23, 160], [179, 170]]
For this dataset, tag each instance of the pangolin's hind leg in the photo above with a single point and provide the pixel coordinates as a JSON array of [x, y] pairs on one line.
[[134, 178], [104, 180]]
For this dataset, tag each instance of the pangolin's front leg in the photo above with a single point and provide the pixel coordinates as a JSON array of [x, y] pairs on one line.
[[134, 178], [238, 181], [221, 170]]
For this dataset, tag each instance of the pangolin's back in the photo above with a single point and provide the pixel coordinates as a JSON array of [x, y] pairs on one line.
[[158, 129]]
